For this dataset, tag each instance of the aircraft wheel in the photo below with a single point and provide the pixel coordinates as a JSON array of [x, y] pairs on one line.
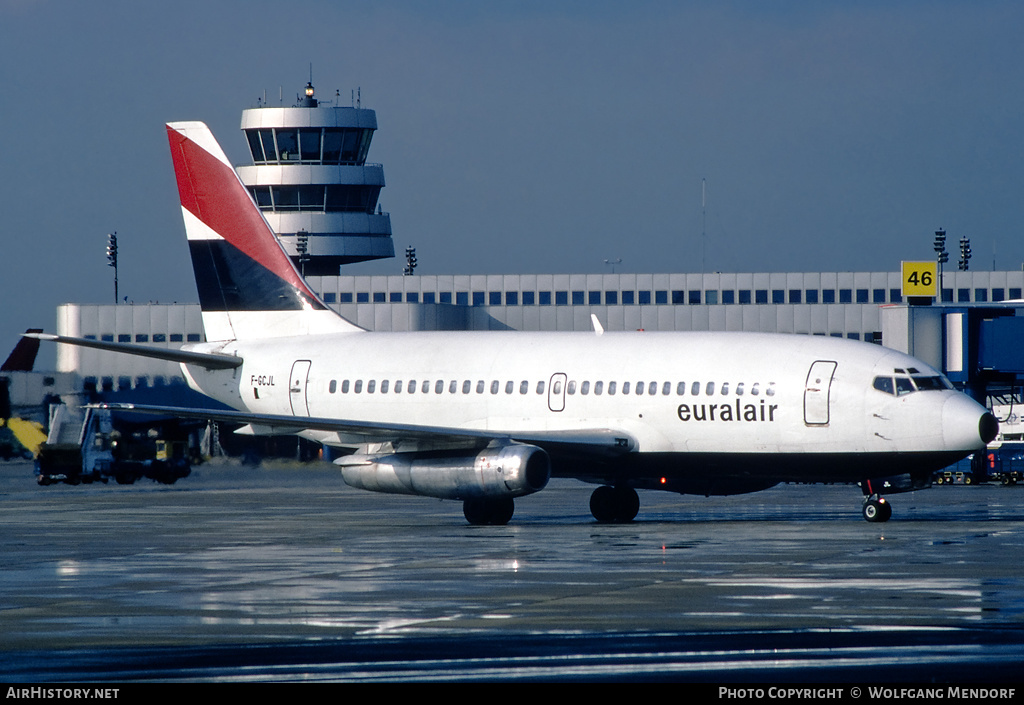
[[614, 504], [628, 504], [502, 511], [493, 512], [877, 510], [968, 479], [602, 503]]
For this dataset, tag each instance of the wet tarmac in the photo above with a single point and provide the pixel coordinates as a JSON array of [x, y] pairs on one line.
[[284, 573]]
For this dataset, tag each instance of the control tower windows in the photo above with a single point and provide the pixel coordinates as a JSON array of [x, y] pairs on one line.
[[332, 146], [311, 197], [329, 145], [261, 194], [309, 145], [352, 198], [287, 145], [255, 146], [333, 198], [286, 198]]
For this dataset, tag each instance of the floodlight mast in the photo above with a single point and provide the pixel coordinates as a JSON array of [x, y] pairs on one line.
[[965, 253], [112, 258], [941, 256]]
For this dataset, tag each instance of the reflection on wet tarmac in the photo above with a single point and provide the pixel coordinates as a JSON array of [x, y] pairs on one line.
[[235, 560]]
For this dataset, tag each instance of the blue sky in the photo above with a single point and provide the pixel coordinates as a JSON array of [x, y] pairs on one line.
[[527, 136]]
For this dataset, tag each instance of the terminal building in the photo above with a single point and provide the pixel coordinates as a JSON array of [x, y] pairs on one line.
[[839, 304]]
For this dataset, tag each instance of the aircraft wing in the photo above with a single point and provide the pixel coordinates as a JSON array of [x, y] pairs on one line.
[[600, 442]]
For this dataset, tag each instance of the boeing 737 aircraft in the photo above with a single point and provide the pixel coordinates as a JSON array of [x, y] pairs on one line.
[[485, 417]]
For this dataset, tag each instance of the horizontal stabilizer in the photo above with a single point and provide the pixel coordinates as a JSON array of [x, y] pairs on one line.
[[211, 361]]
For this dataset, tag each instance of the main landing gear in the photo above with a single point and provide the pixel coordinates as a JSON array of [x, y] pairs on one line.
[[492, 511], [876, 509], [614, 504]]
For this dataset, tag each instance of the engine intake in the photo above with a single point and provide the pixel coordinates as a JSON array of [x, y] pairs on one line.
[[506, 470]]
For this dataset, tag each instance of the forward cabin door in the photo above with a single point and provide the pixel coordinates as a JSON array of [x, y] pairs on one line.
[[816, 392], [297, 384]]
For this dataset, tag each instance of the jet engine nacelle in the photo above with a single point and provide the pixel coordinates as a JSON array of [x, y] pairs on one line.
[[508, 470]]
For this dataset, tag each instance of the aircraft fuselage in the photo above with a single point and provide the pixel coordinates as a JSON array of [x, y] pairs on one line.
[[704, 409]]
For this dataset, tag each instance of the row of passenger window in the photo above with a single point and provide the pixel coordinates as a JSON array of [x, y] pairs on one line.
[[571, 387], [693, 297], [145, 337], [106, 384]]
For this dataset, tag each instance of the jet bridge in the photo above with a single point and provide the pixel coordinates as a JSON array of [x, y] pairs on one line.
[[980, 348]]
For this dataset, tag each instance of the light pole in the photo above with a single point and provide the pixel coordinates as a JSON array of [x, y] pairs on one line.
[[965, 253], [112, 258], [302, 247], [941, 256]]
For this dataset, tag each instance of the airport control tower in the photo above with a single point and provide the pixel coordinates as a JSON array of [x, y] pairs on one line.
[[312, 182]]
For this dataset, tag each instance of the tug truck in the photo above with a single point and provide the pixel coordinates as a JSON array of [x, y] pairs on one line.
[[84, 447]]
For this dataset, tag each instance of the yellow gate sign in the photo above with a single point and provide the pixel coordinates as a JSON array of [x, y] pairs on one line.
[[920, 278]]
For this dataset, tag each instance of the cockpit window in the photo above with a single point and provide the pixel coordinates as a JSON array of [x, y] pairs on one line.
[[902, 384], [929, 383], [884, 384]]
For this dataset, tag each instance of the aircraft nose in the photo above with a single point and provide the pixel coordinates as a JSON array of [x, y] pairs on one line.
[[966, 424], [988, 428]]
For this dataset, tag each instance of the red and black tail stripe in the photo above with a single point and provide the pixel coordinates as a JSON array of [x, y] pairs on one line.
[[230, 280], [240, 266]]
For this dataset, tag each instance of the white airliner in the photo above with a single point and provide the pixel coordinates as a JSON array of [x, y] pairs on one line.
[[485, 417]]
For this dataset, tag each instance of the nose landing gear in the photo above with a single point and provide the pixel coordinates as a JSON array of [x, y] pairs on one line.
[[876, 509]]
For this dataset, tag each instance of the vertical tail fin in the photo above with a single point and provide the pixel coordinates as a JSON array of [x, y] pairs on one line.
[[248, 287], [23, 357]]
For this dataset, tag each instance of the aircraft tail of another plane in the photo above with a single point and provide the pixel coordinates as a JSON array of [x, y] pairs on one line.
[[248, 287], [23, 356]]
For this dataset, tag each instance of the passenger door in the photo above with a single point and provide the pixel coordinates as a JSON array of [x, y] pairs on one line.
[[817, 391], [297, 385]]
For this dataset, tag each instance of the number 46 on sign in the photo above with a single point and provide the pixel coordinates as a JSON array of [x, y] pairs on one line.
[[920, 279]]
